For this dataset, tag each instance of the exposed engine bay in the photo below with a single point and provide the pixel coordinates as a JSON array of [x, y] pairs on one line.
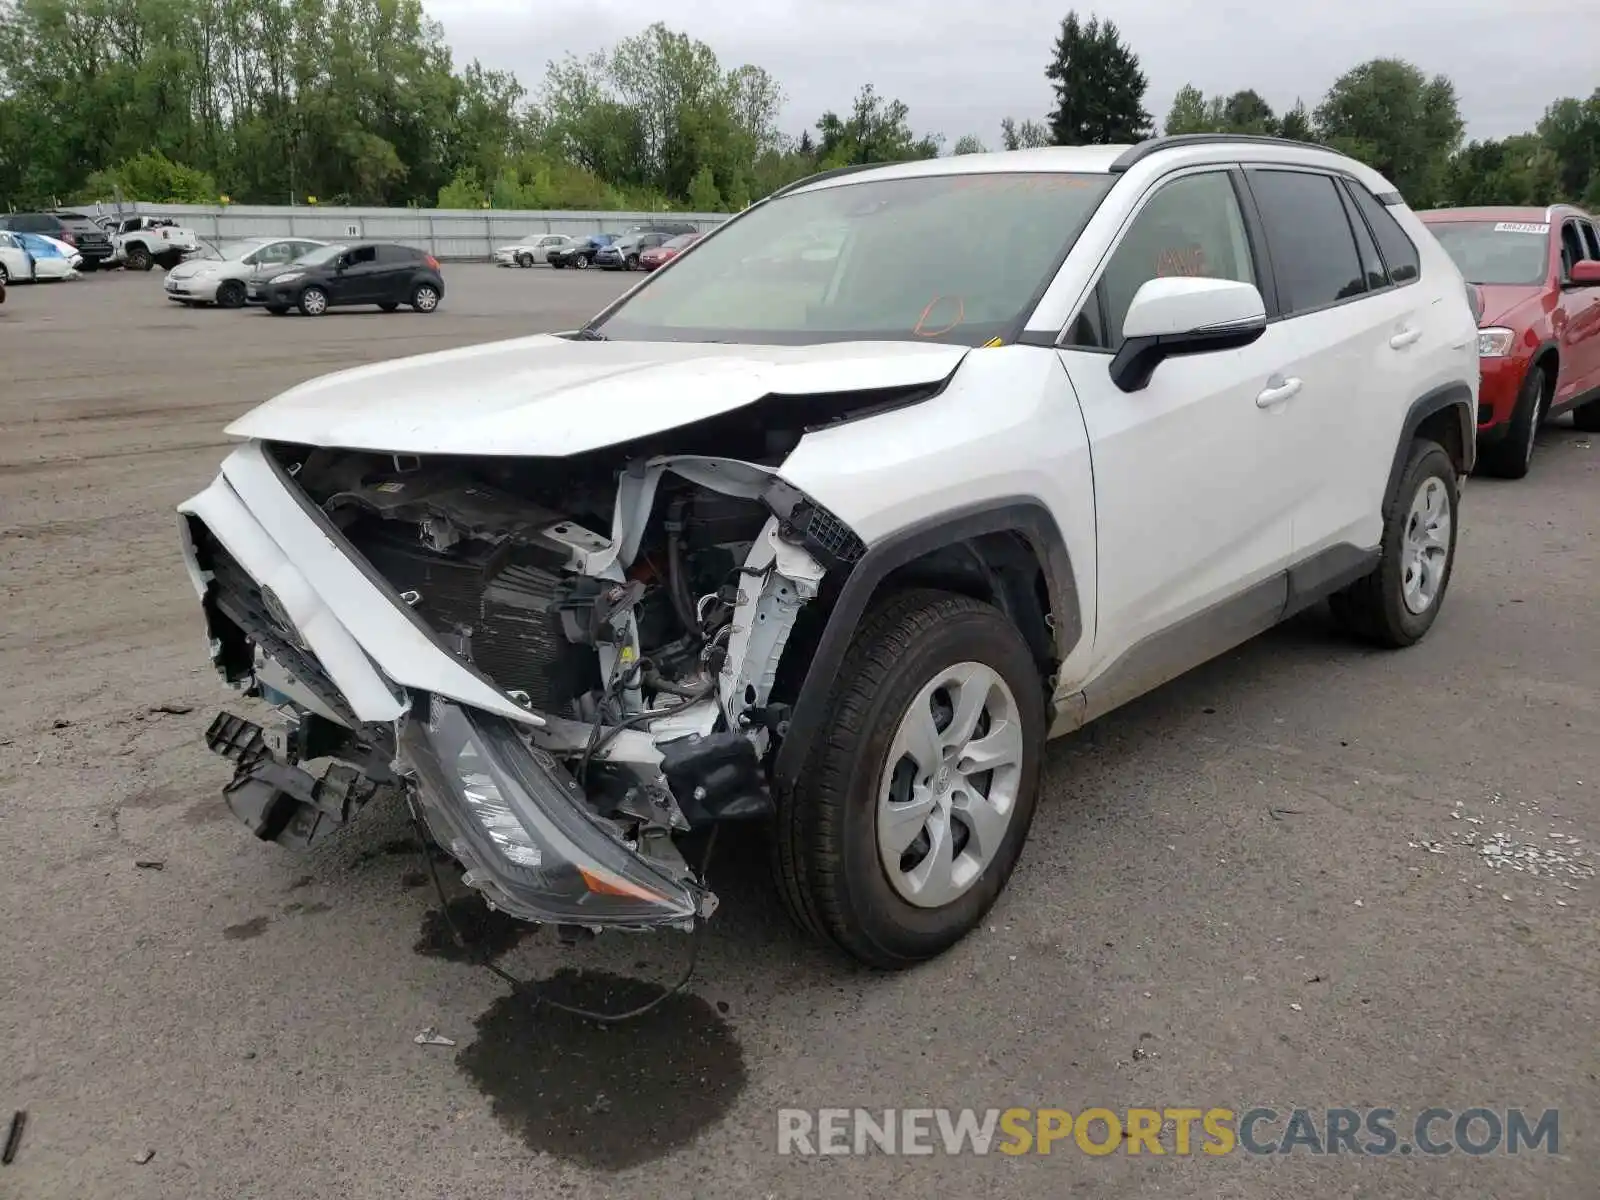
[[636, 609]]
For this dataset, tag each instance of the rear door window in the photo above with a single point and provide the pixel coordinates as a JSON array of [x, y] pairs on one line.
[[396, 256], [1371, 261], [1313, 248], [361, 255], [1591, 243]]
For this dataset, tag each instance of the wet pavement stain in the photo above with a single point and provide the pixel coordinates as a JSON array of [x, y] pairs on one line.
[[209, 811], [155, 797], [308, 909], [488, 933], [245, 930], [607, 1096]]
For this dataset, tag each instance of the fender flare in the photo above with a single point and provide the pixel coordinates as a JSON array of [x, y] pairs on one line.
[[1450, 395], [1022, 515]]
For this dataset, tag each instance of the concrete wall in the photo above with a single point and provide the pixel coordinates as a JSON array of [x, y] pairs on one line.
[[444, 233]]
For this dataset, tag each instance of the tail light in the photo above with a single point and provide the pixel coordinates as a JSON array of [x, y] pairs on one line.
[[433, 263]]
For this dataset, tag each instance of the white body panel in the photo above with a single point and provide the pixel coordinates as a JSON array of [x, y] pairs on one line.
[[546, 395]]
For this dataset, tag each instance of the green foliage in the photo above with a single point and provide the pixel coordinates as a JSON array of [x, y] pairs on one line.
[[1098, 84], [969, 143], [151, 176], [1390, 115], [358, 101], [876, 130], [1027, 136]]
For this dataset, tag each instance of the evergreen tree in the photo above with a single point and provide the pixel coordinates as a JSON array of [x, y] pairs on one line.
[[1098, 84]]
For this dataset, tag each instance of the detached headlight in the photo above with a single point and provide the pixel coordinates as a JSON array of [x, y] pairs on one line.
[[516, 818], [287, 277], [1495, 342]]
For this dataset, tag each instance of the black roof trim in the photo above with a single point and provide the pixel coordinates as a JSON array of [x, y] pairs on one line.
[[821, 175], [1389, 199], [1145, 149]]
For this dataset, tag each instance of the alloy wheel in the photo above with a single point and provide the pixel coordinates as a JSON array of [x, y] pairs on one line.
[[1425, 549]]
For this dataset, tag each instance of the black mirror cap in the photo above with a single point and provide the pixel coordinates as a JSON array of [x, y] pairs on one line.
[[1137, 359]]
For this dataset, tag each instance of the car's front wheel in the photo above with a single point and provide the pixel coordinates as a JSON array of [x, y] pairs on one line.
[[1399, 601], [1511, 457], [230, 294], [524, 260], [918, 792], [313, 302], [581, 263]]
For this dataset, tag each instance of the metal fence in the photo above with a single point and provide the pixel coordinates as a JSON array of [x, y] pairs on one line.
[[445, 233]]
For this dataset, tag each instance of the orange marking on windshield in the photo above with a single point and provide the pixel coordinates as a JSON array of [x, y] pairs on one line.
[[919, 328]]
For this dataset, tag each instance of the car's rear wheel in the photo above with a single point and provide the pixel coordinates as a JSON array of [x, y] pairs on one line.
[[1398, 602], [425, 298], [230, 294], [916, 797], [1511, 457], [138, 259], [313, 302]]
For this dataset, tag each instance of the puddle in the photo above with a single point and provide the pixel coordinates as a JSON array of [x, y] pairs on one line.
[[606, 1096], [488, 934], [245, 930]]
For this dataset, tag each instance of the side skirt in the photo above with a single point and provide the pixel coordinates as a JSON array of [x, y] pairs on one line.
[[1213, 631]]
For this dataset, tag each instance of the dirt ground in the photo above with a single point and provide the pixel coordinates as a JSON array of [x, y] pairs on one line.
[[1263, 885]]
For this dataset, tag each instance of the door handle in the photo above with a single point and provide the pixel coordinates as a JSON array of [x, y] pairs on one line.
[[1277, 393], [1401, 340]]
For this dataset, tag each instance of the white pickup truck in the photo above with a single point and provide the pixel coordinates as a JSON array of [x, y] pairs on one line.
[[139, 243]]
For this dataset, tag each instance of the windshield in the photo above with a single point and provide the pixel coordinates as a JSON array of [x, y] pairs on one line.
[[950, 258], [679, 242], [234, 251], [322, 254], [1497, 252]]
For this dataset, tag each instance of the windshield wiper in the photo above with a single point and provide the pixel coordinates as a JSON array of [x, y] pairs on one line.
[[590, 334]]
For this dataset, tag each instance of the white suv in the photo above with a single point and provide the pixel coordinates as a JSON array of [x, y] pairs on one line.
[[837, 543]]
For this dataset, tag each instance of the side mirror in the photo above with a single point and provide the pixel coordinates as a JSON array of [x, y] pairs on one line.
[[1584, 274], [1181, 315]]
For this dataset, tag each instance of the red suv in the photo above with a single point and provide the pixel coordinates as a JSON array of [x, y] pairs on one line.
[[1535, 273]]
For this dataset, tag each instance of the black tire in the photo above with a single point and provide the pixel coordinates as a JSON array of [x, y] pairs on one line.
[[389, 306], [557, 264], [138, 259], [277, 310], [230, 294], [1587, 418], [825, 842], [524, 260], [632, 263], [90, 265], [582, 263], [5, 275], [1374, 607], [1511, 456], [313, 302], [425, 298]]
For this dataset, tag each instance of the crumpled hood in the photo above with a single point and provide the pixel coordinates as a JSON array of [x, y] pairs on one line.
[[551, 396]]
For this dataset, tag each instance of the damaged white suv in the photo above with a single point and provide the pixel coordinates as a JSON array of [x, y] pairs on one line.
[[836, 539]]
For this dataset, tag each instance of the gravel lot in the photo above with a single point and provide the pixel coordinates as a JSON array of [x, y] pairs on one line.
[[1257, 877]]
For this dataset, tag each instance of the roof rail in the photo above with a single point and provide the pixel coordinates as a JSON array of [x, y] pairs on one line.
[[821, 175], [1174, 141]]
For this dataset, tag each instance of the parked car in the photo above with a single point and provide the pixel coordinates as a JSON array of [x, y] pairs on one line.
[[660, 256], [535, 248], [141, 242], [16, 264], [1536, 276], [78, 231], [668, 227], [381, 273], [624, 253], [51, 259], [222, 276], [839, 554], [581, 253], [2, 291]]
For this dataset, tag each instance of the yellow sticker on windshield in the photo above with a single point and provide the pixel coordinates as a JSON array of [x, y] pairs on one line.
[[994, 341]]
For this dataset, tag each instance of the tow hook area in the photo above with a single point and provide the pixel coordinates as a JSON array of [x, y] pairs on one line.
[[281, 802]]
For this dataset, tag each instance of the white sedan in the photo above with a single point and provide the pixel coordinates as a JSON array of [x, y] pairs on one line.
[[35, 257], [16, 264], [218, 276], [535, 248]]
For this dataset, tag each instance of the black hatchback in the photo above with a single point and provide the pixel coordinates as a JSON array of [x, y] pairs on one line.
[[381, 273]]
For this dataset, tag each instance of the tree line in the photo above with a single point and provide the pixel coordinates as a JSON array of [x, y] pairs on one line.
[[360, 102]]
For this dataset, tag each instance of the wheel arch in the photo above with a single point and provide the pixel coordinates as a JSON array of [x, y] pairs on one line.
[[1445, 415], [1549, 351], [1009, 552]]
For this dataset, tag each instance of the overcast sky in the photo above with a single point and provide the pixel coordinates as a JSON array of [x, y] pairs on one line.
[[961, 65]]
